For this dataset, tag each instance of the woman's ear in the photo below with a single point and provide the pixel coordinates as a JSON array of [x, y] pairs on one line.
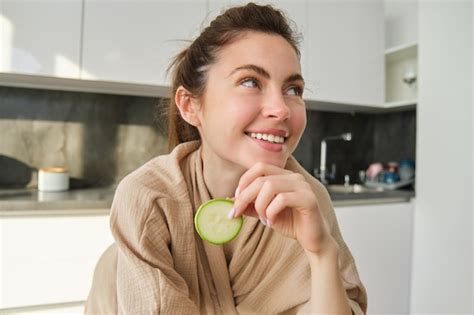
[[188, 106]]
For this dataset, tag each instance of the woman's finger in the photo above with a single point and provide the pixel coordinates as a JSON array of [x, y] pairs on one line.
[[272, 188], [262, 190], [302, 202], [258, 170]]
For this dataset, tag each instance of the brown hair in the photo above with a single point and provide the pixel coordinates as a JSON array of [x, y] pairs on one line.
[[189, 67]]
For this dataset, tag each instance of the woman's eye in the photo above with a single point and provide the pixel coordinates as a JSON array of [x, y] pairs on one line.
[[249, 83], [295, 91]]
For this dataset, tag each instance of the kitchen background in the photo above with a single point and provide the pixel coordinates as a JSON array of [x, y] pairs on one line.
[[79, 81], [100, 138]]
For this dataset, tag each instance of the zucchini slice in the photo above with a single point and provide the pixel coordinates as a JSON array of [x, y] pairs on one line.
[[212, 223]]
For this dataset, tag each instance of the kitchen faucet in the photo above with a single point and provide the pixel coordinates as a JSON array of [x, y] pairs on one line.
[[322, 168]]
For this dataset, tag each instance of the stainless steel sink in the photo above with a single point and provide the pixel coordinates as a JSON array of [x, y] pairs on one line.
[[352, 189]]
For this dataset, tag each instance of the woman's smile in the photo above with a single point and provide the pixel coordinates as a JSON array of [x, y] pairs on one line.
[[269, 146], [272, 140]]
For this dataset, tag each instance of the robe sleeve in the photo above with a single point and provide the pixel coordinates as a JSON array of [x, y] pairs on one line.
[[147, 282], [355, 290]]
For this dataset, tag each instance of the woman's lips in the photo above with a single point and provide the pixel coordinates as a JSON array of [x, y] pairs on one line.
[[273, 147]]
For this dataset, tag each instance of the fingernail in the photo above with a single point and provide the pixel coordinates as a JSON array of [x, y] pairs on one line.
[[231, 213], [269, 223], [263, 221], [237, 192]]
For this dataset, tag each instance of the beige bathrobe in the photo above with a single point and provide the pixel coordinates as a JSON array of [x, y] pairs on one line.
[[159, 264]]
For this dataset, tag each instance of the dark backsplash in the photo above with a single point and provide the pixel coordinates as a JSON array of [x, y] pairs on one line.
[[375, 138], [395, 136], [101, 137]]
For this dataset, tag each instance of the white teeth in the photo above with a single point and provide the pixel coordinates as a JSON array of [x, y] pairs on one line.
[[268, 137]]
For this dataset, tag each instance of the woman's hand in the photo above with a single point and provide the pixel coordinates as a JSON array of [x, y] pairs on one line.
[[284, 201]]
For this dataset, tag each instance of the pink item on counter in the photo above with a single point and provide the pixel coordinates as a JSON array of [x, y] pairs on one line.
[[374, 170]]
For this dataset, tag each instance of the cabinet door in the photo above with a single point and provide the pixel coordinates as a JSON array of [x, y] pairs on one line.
[[135, 41], [295, 10], [380, 239], [50, 259], [346, 51], [40, 37]]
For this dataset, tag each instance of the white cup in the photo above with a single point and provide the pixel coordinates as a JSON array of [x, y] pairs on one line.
[[53, 179]]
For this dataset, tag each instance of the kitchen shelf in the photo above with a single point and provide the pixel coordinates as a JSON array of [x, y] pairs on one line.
[[147, 90], [401, 104], [401, 62], [400, 52], [81, 85]]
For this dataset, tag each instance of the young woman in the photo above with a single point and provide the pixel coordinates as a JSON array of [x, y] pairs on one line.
[[235, 119]]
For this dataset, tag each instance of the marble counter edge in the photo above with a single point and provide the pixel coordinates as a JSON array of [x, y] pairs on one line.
[[72, 207], [370, 201], [14, 209]]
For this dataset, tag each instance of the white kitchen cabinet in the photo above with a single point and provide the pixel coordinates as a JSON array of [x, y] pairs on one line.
[[380, 239], [342, 48], [40, 37], [401, 22], [401, 75], [345, 46], [135, 41], [401, 54], [50, 259]]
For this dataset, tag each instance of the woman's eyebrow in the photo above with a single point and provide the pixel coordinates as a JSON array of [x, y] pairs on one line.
[[254, 68], [264, 73], [295, 77]]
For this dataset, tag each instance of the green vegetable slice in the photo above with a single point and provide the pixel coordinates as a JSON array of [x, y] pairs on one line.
[[212, 223]]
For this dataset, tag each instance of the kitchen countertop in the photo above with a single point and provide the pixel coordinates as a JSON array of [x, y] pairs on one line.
[[75, 201], [15, 202], [387, 196]]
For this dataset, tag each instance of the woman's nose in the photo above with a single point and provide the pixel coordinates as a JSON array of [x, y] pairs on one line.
[[276, 107]]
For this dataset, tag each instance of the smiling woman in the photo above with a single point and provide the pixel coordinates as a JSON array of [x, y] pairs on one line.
[[235, 119], [253, 86]]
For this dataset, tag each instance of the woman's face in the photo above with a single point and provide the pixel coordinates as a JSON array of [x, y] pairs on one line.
[[253, 90]]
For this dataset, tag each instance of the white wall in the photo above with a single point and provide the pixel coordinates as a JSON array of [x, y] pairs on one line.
[[401, 22], [442, 264], [472, 155]]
